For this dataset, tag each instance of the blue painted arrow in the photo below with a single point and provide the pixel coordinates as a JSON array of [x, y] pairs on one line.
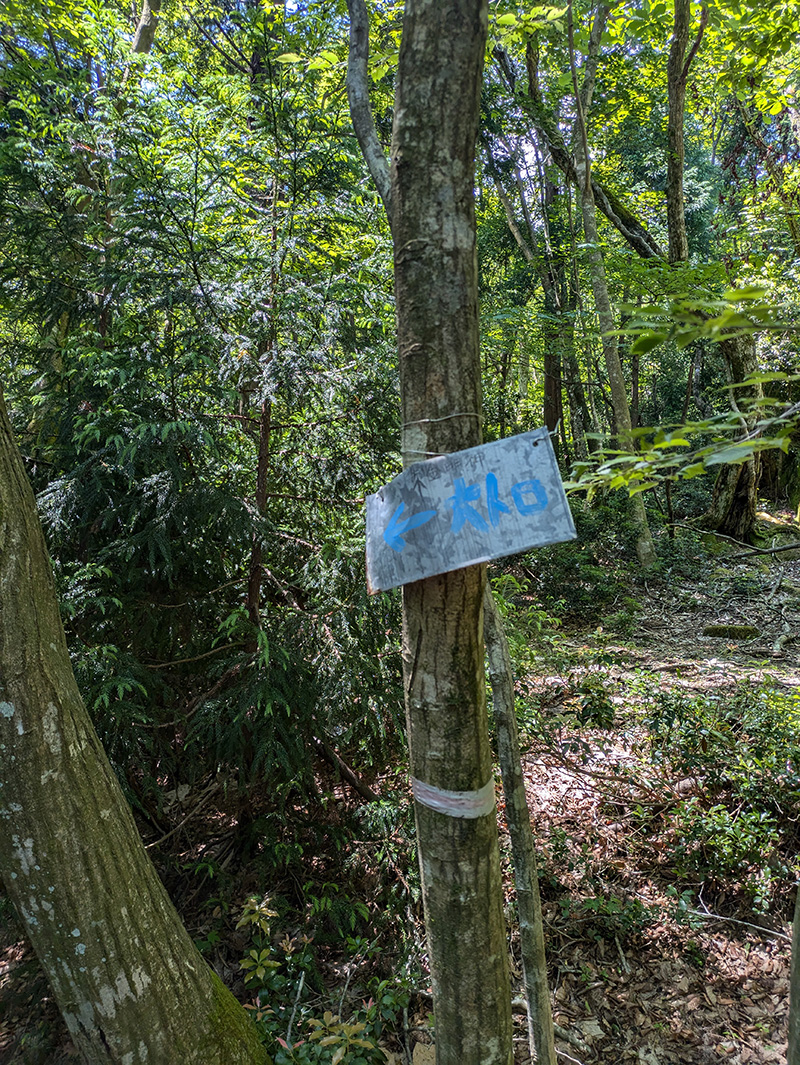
[[397, 528]]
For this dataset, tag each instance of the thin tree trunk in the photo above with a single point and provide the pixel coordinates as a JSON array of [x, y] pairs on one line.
[[678, 66], [529, 903], [735, 498], [793, 1052], [125, 973], [579, 416], [676, 89], [553, 409], [433, 226], [256, 570], [619, 394], [635, 396], [360, 108]]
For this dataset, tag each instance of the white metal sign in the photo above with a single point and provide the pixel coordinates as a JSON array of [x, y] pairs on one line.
[[456, 510]]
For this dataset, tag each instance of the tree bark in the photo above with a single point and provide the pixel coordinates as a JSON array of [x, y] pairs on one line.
[[433, 226], [529, 903], [124, 971], [645, 550], [676, 91], [735, 499], [677, 72], [358, 100], [146, 30], [793, 1050]]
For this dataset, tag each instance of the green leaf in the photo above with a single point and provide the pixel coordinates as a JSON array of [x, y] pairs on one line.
[[734, 453], [290, 57], [694, 470], [646, 342]]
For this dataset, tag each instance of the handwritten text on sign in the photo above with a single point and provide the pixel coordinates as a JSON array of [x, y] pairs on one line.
[[468, 507]]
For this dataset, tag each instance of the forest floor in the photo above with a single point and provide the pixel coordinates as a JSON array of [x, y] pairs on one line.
[[667, 907], [666, 946]]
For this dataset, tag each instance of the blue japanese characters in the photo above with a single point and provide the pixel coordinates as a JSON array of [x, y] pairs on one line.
[[468, 507], [462, 501]]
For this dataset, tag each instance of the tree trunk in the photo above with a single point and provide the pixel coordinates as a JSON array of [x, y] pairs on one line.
[[735, 499], [580, 418], [553, 406], [619, 395], [146, 30], [793, 1050], [529, 903], [433, 226], [676, 90], [127, 977]]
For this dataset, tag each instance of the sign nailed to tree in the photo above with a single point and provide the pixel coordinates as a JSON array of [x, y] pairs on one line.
[[474, 505]]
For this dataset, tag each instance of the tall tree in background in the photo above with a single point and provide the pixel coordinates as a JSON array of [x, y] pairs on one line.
[[733, 505], [431, 197], [605, 315]]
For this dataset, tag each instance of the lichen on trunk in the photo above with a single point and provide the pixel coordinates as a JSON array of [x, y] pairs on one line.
[[125, 973]]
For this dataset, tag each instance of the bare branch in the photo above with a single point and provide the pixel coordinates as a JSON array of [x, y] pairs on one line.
[[360, 107], [146, 30], [696, 45]]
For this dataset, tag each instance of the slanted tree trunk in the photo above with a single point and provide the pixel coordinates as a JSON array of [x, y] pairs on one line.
[[125, 973], [433, 225], [529, 903]]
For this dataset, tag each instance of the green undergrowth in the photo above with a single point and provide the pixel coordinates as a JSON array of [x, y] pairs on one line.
[[743, 750], [718, 771], [330, 956], [295, 1030]]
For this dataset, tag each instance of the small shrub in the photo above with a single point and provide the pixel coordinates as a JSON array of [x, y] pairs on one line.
[[278, 973], [611, 918], [744, 750]]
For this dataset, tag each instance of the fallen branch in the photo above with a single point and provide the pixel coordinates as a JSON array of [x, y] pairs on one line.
[[572, 1039], [766, 551], [708, 916], [214, 786], [569, 1057], [708, 532], [569, 764], [327, 752]]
